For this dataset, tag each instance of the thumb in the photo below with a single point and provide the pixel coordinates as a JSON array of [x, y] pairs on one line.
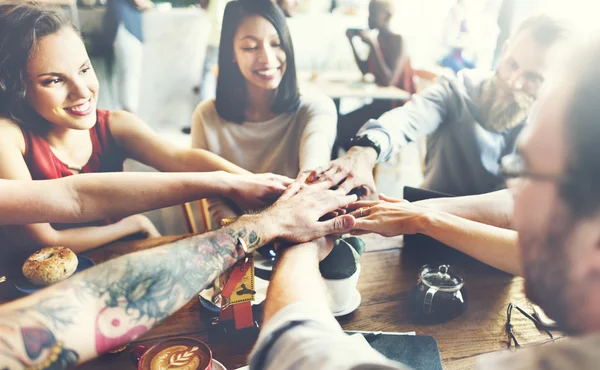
[[390, 199], [339, 225]]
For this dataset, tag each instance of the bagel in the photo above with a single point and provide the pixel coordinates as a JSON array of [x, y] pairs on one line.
[[50, 265]]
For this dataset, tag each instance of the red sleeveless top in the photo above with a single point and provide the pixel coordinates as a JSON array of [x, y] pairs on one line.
[[106, 156]]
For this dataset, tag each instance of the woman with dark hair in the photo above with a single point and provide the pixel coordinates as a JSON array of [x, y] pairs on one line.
[[50, 128], [259, 120]]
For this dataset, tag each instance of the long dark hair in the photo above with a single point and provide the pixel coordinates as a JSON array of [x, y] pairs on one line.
[[22, 24], [231, 97]]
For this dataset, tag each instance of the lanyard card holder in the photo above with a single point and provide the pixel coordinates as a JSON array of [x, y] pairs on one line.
[[236, 322]]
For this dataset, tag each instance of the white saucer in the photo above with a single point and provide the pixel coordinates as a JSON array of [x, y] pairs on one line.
[[355, 303], [216, 365], [261, 262]]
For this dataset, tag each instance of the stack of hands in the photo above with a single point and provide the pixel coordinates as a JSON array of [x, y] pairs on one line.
[[329, 202]]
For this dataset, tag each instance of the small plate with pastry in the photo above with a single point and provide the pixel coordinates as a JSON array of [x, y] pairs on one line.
[[48, 266]]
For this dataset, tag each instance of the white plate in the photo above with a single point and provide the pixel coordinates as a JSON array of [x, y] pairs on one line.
[[216, 365], [356, 299]]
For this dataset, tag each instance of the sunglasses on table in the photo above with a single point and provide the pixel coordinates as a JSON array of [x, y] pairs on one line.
[[512, 339]]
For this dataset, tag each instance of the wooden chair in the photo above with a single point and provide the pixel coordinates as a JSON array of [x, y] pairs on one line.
[[190, 222]]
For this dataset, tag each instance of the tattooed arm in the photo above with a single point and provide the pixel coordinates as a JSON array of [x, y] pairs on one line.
[[118, 301], [114, 303]]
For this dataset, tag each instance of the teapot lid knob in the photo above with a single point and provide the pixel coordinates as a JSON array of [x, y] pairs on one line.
[[443, 269]]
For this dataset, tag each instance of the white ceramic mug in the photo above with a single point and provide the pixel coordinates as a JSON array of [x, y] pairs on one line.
[[341, 291]]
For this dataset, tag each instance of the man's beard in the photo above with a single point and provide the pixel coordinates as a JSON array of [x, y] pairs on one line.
[[546, 273], [500, 114]]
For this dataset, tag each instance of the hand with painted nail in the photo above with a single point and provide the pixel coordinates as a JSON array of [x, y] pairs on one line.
[[386, 216]]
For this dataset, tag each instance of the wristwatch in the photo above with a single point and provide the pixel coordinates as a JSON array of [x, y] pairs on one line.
[[365, 141]]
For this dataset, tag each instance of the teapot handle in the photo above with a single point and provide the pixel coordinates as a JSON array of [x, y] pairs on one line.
[[428, 301]]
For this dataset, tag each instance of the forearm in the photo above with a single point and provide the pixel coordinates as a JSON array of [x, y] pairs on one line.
[[135, 291], [131, 193], [420, 116], [315, 151], [297, 278], [382, 72], [200, 160], [398, 72], [494, 246], [299, 331], [493, 209], [89, 197]]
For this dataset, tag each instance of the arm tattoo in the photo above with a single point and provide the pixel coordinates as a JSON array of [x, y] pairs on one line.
[[157, 284], [25, 342], [254, 240], [135, 292]]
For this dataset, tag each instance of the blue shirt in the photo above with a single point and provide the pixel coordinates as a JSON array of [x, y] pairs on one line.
[[463, 158], [123, 11]]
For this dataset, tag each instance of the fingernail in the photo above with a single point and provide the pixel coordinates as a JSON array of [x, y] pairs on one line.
[[348, 221]]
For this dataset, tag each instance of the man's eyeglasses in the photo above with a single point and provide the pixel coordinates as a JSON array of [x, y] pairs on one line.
[[509, 327], [513, 167]]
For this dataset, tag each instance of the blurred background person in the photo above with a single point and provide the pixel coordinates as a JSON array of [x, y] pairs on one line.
[[456, 37], [388, 61], [208, 83], [123, 26], [471, 121]]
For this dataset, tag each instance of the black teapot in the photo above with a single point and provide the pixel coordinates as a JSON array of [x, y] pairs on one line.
[[439, 295]]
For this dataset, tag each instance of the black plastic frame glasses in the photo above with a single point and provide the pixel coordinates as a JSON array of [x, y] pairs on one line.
[[509, 327]]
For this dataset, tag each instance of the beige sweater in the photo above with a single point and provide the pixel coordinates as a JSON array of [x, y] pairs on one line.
[[285, 145]]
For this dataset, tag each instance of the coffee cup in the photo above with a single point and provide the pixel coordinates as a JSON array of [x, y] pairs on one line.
[[342, 292], [182, 353]]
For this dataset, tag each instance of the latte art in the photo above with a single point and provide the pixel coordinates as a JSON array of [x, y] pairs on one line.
[[176, 354], [177, 358]]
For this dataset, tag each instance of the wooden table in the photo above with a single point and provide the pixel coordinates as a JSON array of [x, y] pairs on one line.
[[388, 272]]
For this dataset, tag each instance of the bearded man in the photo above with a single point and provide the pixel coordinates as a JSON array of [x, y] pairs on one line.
[[471, 121]]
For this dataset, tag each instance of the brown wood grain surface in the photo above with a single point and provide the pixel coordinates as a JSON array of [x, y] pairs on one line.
[[388, 272]]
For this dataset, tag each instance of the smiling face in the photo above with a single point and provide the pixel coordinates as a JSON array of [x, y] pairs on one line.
[[523, 65], [62, 86], [258, 53]]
